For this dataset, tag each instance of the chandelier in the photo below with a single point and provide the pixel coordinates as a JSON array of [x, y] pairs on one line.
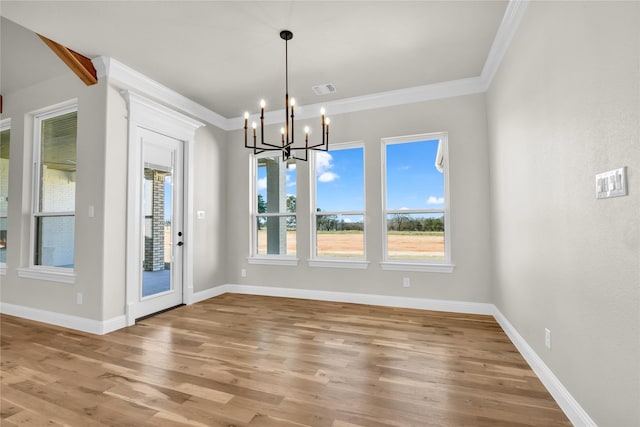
[[286, 146]]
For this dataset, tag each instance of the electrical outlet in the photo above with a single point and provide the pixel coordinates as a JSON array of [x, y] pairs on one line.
[[406, 282], [547, 338], [79, 298], [243, 272]]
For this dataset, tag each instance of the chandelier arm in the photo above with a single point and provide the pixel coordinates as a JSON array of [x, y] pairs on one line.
[[275, 147], [315, 147], [262, 149], [305, 158]]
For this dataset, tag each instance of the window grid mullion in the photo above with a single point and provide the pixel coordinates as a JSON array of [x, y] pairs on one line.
[[323, 213]]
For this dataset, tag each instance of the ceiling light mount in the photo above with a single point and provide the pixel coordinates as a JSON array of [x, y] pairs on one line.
[[286, 35], [286, 146]]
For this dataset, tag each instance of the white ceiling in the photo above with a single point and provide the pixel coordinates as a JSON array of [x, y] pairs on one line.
[[227, 55]]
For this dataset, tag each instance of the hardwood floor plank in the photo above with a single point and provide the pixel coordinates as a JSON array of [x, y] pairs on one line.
[[253, 361]]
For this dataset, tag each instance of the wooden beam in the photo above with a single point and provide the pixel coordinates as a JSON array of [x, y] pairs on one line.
[[79, 64]]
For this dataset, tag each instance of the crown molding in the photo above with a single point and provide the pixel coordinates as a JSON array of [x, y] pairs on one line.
[[115, 71], [508, 27], [375, 100], [129, 78]]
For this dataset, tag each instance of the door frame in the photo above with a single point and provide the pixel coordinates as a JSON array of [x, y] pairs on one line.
[[149, 115]]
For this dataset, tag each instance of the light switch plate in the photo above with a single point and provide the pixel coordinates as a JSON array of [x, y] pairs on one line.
[[612, 183], [201, 214]]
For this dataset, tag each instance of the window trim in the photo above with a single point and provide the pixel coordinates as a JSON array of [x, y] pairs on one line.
[[5, 124], [437, 266], [34, 271], [337, 262], [254, 257]]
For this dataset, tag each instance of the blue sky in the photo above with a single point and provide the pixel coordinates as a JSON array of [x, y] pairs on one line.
[[413, 182]]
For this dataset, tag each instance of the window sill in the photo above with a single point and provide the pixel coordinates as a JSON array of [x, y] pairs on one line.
[[274, 260], [51, 275], [411, 266], [338, 263]]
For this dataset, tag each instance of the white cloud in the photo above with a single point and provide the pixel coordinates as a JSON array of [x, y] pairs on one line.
[[348, 221], [291, 167], [324, 163], [433, 200], [262, 183], [327, 177], [403, 209]]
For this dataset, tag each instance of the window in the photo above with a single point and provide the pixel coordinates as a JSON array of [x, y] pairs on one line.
[[338, 205], [416, 203], [54, 188], [4, 188], [274, 211]]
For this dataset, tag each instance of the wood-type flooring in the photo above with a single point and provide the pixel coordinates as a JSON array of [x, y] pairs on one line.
[[254, 361]]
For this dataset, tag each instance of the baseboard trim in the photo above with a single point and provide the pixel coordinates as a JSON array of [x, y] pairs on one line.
[[83, 324], [369, 299], [565, 400], [206, 294]]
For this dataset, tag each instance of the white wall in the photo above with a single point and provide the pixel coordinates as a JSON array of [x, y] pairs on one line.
[[465, 120], [564, 106], [114, 198], [43, 294], [210, 194]]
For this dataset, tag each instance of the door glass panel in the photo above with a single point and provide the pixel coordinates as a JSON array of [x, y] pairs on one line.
[[157, 208]]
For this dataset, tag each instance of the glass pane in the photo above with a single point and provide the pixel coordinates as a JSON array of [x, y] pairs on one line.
[[276, 186], [340, 180], [157, 208], [415, 236], [276, 235], [58, 163], [340, 236], [54, 241], [413, 181], [4, 192]]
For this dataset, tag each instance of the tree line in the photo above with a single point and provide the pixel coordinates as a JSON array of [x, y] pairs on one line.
[[397, 222]]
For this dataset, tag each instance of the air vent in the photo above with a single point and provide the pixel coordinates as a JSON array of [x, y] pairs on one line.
[[324, 89]]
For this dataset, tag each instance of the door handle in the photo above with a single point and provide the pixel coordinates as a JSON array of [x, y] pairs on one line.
[[180, 243]]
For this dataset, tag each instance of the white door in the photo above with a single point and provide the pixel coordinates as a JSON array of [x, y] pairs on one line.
[[161, 235]]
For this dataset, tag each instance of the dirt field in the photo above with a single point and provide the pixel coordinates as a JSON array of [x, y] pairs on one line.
[[405, 246]]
